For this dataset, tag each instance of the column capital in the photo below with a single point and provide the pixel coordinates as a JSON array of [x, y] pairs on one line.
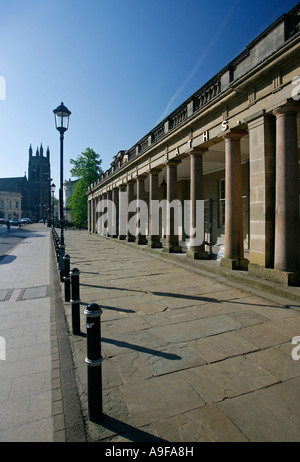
[[172, 162], [142, 176], [154, 171], [197, 151], [288, 108], [233, 134]]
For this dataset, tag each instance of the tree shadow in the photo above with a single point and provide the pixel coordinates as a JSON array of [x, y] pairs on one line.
[[6, 259]]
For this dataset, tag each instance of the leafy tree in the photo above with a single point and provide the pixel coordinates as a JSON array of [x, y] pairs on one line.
[[87, 168]]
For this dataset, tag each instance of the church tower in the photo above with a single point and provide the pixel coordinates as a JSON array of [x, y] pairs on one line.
[[39, 181]]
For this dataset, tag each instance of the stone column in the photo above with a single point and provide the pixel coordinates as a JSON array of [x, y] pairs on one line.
[[142, 218], [262, 152], [109, 212], [130, 197], [287, 228], [89, 215], [234, 246], [172, 240], [96, 213], [196, 194], [103, 232], [115, 217], [122, 212], [154, 237], [93, 215]]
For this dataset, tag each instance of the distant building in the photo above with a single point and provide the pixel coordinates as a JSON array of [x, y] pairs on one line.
[[69, 188], [10, 205], [34, 191]]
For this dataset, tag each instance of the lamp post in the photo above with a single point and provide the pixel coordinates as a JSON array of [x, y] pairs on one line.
[[62, 115], [53, 188]]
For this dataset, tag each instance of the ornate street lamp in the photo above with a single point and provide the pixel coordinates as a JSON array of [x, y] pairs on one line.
[[53, 188], [62, 115]]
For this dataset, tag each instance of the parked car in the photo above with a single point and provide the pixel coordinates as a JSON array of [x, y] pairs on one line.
[[15, 222], [26, 221], [3, 221]]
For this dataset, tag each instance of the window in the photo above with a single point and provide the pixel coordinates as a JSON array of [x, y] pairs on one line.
[[17, 204]]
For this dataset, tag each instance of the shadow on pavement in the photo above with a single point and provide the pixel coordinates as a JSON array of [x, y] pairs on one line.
[[127, 431], [5, 259], [149, 351]]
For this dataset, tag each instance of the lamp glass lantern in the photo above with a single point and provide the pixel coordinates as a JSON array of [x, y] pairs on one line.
[[62, 115]]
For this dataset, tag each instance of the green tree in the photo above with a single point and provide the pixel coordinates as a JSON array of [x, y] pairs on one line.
[[87, 168]]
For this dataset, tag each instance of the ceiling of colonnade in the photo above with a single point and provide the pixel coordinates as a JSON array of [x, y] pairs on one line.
[[214, 159]]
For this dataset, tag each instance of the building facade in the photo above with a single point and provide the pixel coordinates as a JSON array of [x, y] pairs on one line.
[[10, 205], [234, 144], [69, 188], [35, 191]]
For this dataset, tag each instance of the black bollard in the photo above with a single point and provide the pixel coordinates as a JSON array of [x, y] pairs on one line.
[[61, 261], [75, 301], [67, 277], [94, 361]]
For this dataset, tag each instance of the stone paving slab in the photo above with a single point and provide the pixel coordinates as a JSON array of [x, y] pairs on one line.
[[267, 415], [187, 356]]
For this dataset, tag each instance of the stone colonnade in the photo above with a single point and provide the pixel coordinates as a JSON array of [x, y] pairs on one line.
[[274, 194], [274, 190]]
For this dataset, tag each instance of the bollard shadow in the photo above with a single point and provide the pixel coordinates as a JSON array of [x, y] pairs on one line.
[[88, 272], [113, 308], [150, 351], [127, 431]]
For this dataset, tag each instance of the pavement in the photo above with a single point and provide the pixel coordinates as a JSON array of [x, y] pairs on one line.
[[191, 353], [33, 342]]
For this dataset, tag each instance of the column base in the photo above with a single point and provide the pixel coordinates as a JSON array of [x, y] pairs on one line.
[[130, 238], [235, 263], [172, 249], [154, 244], [141, 240], [122, 237], [197, 254], [287, 278]]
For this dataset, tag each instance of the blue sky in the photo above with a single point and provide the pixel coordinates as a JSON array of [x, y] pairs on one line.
[[120, 66]]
